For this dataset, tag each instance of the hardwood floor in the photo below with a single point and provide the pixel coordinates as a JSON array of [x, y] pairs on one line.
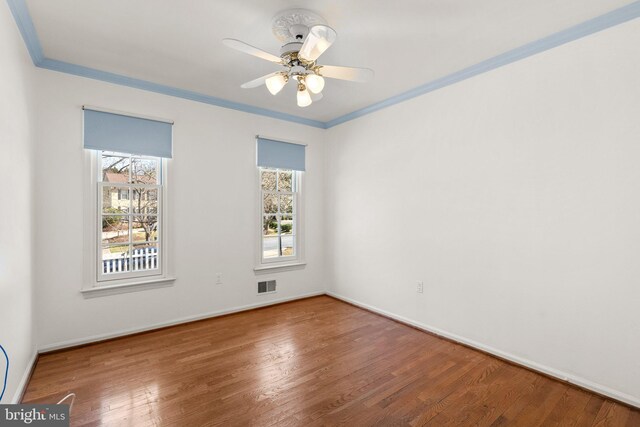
[[312, 362]]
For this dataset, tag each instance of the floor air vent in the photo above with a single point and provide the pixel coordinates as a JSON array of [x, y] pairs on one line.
[[266, 287]]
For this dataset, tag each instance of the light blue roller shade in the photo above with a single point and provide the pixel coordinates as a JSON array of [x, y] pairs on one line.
[[280, 155], [126, 134]]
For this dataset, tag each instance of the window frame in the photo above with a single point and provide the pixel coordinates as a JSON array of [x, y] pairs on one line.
[[92, 284], [298, 258]]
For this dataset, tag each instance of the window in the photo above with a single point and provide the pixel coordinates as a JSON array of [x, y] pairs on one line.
[[129, 210], [279, 189], [125, 245], [280, 172], [123, 194]]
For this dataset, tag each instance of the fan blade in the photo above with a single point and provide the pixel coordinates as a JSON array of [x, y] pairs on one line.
[[318, 40], [258, 82], [353, 74], [251, 50]]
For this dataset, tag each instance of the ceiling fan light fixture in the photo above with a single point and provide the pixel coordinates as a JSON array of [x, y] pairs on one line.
[[276, 83], [303, 96], [314, 83], [304, 36], [319, 39]]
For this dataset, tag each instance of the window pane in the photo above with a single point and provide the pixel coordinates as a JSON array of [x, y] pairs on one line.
[[130, 200], [286, 224], [284, 180], [269, 225], [115, 259], [115, 200], [270, 203], [115, 167], [287, 245], [144, 194], [145, 257], [279, 216], [268, 178], [286, 204], [270, 247], [115, 229], [144, 171], [145, 228], [145, 200]]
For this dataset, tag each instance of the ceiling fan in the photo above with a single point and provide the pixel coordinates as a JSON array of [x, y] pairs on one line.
[[304, 36]]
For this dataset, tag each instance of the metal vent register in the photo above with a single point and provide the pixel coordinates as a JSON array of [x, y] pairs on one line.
[[266, 286]]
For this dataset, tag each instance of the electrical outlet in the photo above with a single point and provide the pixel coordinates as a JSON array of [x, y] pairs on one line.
[[420, 287], [218, 278]]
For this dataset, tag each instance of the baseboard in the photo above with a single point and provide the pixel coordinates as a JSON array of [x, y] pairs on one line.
[[22, 385], [545, 370], [103, 337]]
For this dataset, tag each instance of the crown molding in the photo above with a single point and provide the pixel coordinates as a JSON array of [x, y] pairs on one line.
[[25, 24], [602, 22], [78, 70], [27, 29], [22, 17]]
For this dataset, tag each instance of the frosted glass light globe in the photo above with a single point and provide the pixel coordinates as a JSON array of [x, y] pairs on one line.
[[304, 98], [276, 83], [314, 82]]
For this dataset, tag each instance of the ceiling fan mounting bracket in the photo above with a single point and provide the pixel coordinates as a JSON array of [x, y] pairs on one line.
[[293, 25]]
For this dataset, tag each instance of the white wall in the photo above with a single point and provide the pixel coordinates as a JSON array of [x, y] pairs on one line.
[[515, 197], [16, 122], [212, 212]]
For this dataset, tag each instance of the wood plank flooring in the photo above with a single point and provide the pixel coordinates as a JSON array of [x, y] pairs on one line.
[[312, 362]]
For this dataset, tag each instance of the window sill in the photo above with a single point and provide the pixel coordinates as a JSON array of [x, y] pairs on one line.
[[266, 268], [121, 288]]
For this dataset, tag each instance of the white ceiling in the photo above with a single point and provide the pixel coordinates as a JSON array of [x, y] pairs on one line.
[[407, 42]]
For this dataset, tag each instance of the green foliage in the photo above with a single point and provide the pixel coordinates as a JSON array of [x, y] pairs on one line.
[[110, 220], [285, 228]]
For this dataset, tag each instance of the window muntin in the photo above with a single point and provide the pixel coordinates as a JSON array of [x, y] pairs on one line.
[[279, 189], [129, 216]]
